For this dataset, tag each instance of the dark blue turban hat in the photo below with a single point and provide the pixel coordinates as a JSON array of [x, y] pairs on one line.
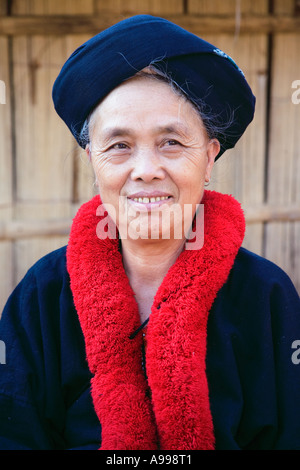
[[201, 70]]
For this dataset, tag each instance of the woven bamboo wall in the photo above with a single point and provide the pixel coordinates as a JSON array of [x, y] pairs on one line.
[[45, 176]]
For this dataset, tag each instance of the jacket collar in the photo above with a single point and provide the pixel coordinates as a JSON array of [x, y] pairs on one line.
[[171, 409]]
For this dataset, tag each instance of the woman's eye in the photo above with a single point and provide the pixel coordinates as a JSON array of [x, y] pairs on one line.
[[118, 146], [172, 142], [171, 146]]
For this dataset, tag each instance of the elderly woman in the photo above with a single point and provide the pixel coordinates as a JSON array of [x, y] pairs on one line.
[[153, 329]]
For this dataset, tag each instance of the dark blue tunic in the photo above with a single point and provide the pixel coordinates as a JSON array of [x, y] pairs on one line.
[[253, 364]]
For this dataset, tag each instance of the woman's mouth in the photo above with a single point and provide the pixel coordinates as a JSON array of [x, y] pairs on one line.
[[146, 200]]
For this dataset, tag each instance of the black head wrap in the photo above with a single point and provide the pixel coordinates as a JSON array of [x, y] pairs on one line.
[[202, 71]]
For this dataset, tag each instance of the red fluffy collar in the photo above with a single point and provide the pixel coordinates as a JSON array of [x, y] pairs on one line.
[[176, 413]]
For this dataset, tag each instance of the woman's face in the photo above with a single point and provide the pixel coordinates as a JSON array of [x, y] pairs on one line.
[[151, 155]]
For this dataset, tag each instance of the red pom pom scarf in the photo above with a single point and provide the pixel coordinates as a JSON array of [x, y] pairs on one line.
[[171, 409]]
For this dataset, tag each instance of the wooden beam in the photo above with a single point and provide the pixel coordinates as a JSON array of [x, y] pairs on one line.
[[272, 213], [87, 24], [12, 230]]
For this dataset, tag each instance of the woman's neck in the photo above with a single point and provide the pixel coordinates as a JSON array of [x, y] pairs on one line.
[[146, 265]]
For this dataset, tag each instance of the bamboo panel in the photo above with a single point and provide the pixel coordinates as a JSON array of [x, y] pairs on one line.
[[225, 7], [284, 167], [52, 7], [197, 24], [3, 7], [240, 171], [29, 251], [136, 7], [46, 180], [284, 8], [53, 174], [283, 248], [5, 127], [44, 164], [6, 172], [83, 176], [282, 244], [45, 149], [232, 172]]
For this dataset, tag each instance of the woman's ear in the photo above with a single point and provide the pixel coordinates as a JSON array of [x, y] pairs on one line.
[[213, 148], [88, 151]]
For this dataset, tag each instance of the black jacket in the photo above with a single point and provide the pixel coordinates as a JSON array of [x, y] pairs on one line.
[[253, 361]]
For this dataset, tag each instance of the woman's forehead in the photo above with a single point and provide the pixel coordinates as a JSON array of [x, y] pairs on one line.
[[147, 93], [139, 102], [140, 85]]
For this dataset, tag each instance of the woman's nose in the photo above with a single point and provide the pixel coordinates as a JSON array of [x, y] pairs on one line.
[[147, 165]]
